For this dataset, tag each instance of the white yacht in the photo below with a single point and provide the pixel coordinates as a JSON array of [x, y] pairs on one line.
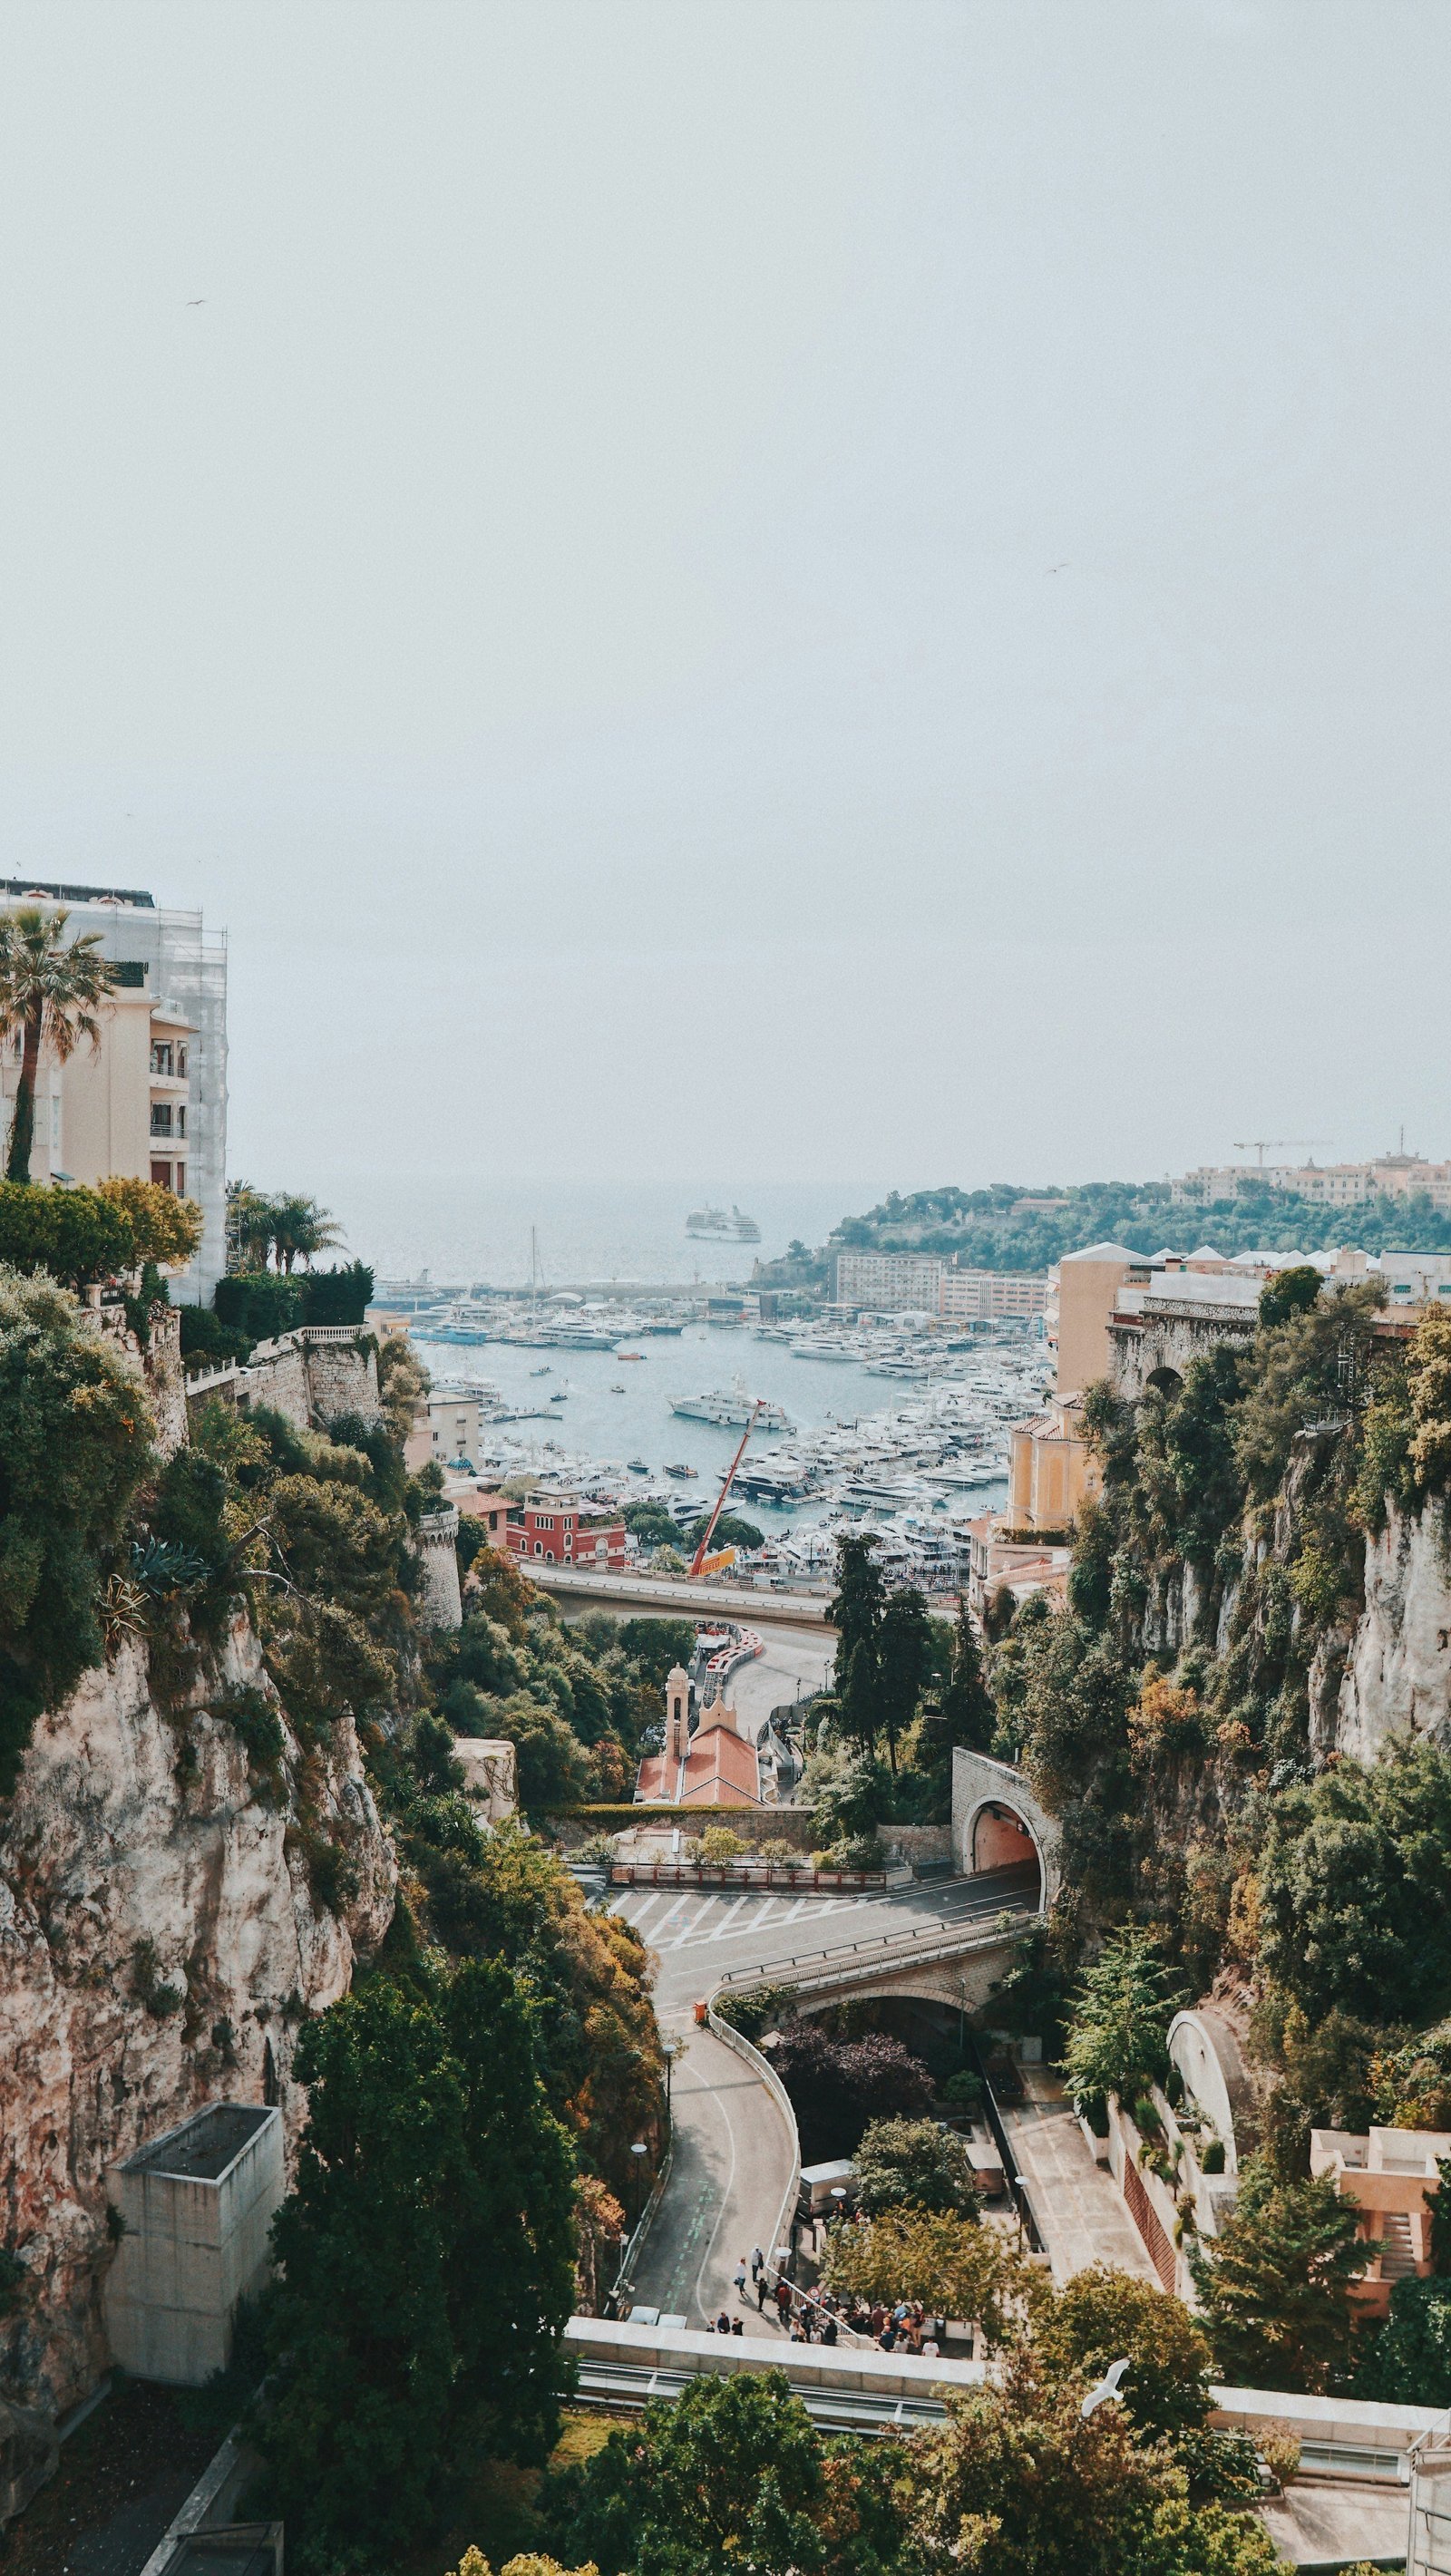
[[731, 1410]]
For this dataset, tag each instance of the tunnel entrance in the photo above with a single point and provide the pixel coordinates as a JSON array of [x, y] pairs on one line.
[[1001, 1845]]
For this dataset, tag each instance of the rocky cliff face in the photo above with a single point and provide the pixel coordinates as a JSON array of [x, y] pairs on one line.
[[1398, 1669], [159, 1946]]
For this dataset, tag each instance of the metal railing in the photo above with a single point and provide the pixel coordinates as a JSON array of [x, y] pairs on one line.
[[868, 1958]]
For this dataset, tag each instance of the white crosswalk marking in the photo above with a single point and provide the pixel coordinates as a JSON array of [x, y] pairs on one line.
[[684, 1935], [719, 1930]]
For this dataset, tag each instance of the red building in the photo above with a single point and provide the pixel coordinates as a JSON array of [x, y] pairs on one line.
[[560, 1530]]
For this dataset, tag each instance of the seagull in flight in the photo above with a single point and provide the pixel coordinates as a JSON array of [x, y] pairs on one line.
[[194, 300], [1056, 567], [1107, 2387]]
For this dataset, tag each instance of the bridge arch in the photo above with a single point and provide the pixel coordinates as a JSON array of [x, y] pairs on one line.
[[997, 1822]]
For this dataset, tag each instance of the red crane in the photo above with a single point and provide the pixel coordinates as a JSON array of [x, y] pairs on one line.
[[702, 1552]]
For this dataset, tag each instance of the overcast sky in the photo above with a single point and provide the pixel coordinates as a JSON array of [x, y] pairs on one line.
[[786, 588]]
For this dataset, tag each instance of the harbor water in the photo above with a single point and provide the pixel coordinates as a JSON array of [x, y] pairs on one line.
[[594, 1424]]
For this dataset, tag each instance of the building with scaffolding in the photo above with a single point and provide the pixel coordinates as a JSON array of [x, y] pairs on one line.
[[172, 974]]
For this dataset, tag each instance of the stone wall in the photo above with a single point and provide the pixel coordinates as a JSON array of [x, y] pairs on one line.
[[342, 1372], [977, 1782], [440, 1602]]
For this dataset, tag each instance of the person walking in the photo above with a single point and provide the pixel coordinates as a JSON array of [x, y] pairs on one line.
[[740, 2278], [783, 2300], [762, 2286], [758, 2263]]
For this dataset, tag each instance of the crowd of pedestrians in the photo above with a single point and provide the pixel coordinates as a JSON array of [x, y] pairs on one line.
[[809, 2316]]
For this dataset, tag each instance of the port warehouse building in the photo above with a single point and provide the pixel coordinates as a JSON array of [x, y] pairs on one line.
[[930, 1285]]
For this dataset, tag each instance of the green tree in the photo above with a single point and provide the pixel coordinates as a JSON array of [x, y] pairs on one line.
[[1409, 2360], [1352, 1886], [914, 2163], [656, 1646], [426, 2256], [1017, 2481], [163, 1227], [968, 1717], [300, 1230], [856, 1615], [730, 1531], [75, 1442], [734, 2475], [956, 2267], [1273, 2283], [78, 1235], [1101, 2315], [1118, 2033], [51, 990], [903, 1653]]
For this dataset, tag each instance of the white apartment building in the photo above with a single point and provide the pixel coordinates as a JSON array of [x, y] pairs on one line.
[[446, 1425], [983, 1296], [151, 1102], [888, 1280], [1392, 1176]]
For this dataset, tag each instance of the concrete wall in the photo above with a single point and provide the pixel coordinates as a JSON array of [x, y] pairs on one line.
[[196, 2243]]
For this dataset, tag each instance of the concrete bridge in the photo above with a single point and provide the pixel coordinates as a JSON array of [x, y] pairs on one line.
[[704, 1599]]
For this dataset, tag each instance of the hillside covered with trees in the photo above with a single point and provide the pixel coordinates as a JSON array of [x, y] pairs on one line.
[[1013, 1227]]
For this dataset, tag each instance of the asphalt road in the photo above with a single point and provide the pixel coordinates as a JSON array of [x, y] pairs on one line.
[[792, 1662], [732, 2160], [698, 1933]]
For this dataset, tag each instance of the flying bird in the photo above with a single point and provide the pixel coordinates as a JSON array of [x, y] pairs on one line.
[[194, 299], [1107, 2386], [1056, 567]]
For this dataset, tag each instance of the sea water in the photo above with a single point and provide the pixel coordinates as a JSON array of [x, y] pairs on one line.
[[464, 1230]]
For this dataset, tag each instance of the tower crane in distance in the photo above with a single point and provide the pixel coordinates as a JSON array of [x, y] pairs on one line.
[[703, 1551], [1262, 1145]]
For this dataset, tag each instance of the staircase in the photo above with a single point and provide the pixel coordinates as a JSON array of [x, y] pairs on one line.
[[1396, 2246]]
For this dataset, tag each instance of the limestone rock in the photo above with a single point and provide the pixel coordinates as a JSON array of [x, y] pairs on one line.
[[1398, 1673], [159, 1946]]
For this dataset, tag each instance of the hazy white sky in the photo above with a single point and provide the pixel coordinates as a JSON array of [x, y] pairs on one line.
[[795, 587]]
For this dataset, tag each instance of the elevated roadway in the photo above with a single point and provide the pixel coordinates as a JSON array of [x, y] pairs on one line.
[[735, 2153], [677, 1595]]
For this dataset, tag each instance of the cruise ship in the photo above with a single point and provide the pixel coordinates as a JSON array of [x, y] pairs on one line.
[[735, 1228], [731, 1410]]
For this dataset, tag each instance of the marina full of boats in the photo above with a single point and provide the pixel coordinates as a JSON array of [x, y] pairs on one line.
[[919, 1468]]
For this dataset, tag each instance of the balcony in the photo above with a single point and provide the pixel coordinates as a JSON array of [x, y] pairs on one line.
[[161, 1123]]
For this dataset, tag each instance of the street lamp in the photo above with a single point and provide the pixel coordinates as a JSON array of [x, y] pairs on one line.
[[639, 2148]]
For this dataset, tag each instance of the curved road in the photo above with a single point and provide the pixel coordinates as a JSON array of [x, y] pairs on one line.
[[732, 2153]]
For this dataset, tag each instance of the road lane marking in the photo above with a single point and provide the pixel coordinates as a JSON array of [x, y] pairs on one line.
[[684, 1933], [720, 1930]]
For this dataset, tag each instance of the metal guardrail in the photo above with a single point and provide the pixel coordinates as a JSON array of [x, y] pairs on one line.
[[861, 1958], [620, 2286], [623, 2388], [1022, 2198], [743, 1875]]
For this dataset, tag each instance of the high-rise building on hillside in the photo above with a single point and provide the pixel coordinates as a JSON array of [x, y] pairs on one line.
[[151, 1102]]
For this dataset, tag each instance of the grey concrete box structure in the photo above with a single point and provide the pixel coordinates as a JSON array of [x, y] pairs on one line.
[[197, 2205]]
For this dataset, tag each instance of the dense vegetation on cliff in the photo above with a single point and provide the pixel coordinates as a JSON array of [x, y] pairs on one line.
[[1180, 1714], [1012, 1227]]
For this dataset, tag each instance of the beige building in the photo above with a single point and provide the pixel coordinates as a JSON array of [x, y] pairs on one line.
[[981, 1296], [891, 1279], [1391, 1176], [118, 1110], [445, 1426], [1051, 1470], [1088, 1284]]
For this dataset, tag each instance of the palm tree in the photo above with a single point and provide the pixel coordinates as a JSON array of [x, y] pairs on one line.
[[249, 1226], [50, 991], [300, 1228]]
